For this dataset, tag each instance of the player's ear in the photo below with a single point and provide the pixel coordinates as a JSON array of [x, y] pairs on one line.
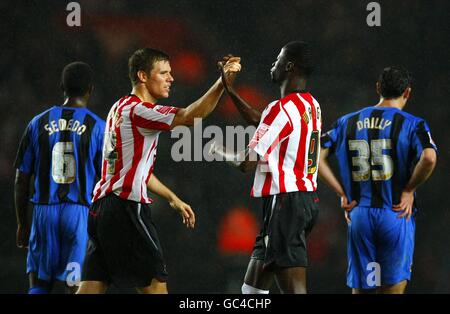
[[378, 88], [142, 76], [289, 66], [407, 93]]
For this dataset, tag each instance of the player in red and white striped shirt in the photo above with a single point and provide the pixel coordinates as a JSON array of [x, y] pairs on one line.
[[124, 247], [287, 142]]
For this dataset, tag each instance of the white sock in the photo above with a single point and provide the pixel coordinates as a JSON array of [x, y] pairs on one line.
[[247, 289]]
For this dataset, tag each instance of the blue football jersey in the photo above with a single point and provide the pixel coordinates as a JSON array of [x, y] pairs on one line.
[[376, 150], [62, 148]]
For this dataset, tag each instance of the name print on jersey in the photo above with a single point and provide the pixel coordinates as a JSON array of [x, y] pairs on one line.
[[63, 125], [373, 123]]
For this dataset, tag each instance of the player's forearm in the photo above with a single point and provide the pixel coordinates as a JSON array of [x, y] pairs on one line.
[[327, 175], [204, 105], [157, 187], [232, 158], [21, 194], [250, 114], [423, 170], [248, 165]]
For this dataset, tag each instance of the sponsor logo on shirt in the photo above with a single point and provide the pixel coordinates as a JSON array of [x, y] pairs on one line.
[[262, 129], [163, 109]]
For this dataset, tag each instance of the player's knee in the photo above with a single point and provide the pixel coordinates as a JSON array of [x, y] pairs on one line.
[[247, 289], [38, 290]]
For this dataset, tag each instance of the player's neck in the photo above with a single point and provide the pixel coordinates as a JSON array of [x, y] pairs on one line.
[[75, 102], [293, 86], [398, 103], [142, 92]]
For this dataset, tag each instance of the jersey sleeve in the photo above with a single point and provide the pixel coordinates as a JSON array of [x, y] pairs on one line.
[[99, 138], [274, 127], [421, 138], [25, 155], [329, 139], [153, 117]]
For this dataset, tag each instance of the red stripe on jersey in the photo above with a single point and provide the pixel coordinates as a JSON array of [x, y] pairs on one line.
[[308, 98], [272, 113], [138, 144], [147, 104], [267, 183], [299, 167], [149, 172], [105, 162], [119, 162], [148, 124]]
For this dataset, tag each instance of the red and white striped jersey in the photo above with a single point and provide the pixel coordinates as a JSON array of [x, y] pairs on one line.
[[287, 141], [129, 148]]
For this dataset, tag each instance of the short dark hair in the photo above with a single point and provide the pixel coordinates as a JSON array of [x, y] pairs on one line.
[[393, 81], [76, 79], [299, 52], [143, 60]]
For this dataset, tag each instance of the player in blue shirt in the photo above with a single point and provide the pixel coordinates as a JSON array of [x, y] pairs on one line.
[[383, 155], [61, 152]]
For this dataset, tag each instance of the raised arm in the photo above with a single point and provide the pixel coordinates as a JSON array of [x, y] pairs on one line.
[[208, 102], [21, 195], [422, 171], [250, 114], [186, 212]]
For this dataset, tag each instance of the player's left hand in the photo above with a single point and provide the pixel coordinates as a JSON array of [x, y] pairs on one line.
[[406, 204], [185, 211], [229, 66]]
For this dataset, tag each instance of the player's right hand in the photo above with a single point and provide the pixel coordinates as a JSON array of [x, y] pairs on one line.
[[406, 204], [347, 207], [23, 237], [229, 66]]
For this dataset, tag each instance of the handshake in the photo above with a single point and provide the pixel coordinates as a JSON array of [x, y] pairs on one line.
[[229, 66]]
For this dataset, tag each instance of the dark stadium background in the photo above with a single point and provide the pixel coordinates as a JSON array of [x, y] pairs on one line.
[[36, 43]]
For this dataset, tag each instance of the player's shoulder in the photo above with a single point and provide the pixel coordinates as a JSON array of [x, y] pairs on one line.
[[35, 120], [271, 105], [351, 115], [411, 118], [94, 116]]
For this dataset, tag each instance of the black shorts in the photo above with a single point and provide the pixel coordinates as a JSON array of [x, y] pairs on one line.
[[288, 220], [124, 248]]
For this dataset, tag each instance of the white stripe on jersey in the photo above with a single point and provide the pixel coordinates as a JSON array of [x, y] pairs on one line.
[[132, 134], [287, 154], [293, 145]]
